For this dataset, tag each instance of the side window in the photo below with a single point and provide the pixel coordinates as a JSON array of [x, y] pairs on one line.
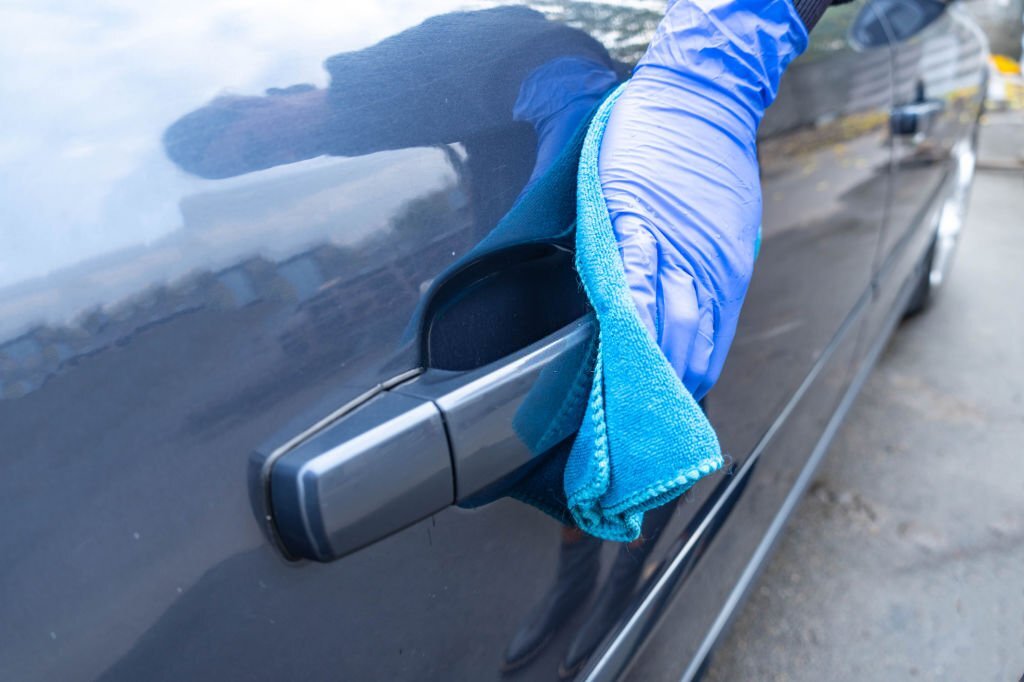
[[900, 18]]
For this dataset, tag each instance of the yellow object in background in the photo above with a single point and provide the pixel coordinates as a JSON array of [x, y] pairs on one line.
[[1006, 87], [1005, 64]]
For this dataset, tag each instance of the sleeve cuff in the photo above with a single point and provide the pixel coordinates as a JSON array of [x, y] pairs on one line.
[[811, 10]]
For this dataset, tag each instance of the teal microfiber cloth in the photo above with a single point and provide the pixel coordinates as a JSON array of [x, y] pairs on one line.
[[644, 440]]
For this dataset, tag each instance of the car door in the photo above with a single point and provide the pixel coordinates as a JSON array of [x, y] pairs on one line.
[[938, 77], [825, 156], [224, 278]]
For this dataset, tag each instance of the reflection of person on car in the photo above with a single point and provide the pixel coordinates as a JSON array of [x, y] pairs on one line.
[[512, 80]]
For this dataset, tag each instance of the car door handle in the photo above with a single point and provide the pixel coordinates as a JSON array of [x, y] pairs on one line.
[[376, 470], [501, 416], [415, 448], [911, 119]]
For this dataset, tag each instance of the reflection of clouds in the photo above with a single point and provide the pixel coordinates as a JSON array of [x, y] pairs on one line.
[[88, 90]]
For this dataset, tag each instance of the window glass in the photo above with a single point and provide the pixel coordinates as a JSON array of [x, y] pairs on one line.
[[904, 18]]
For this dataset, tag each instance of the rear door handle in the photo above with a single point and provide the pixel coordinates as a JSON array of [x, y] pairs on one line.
[[415, 448], [909, 120]]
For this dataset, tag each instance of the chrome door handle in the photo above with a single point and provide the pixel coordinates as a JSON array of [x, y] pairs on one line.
[[502, 416], [375, 471], [414, 448]]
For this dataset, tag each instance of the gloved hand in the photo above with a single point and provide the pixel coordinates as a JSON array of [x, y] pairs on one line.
[[678, 168]]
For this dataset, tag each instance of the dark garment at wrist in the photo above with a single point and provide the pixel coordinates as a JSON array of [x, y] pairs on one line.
[[811, 10]]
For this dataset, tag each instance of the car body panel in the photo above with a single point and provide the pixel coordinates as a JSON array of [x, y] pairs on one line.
[[938, 64]]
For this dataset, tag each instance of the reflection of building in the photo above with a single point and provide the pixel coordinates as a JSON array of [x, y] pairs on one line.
[[345, 308], [31, 355], [625, 31], [322, 287], [1002, 21]]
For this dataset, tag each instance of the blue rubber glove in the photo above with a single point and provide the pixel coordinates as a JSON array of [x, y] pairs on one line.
[[679, 171]]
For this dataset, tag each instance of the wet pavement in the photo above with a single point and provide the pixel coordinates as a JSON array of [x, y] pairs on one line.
[[906, 558]]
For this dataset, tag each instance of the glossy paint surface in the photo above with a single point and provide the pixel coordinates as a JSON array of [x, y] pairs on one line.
[[197, 269]]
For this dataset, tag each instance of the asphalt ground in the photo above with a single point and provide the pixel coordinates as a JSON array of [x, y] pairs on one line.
[[906, 558]]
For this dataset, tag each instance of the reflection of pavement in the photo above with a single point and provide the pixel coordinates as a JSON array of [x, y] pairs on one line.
[[905, 560], [1002, 147], [842, 174]]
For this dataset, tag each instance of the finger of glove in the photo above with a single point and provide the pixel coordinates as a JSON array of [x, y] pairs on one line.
[[687, 326], [716, 359], [699, 376], [725, 322], [639, 251], [668, 304]]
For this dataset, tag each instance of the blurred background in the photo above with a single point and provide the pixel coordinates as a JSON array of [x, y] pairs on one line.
[[1000, 19], [906, 559]]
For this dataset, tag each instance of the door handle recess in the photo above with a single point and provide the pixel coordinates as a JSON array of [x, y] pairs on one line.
[[413, 449]]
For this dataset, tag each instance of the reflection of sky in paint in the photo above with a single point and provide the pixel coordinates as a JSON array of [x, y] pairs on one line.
[[88, 88]]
